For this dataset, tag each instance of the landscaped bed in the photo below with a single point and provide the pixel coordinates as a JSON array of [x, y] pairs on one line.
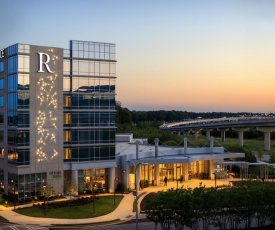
[[74, 209]]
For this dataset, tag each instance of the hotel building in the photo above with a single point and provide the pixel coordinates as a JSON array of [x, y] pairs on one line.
[[57, 117]]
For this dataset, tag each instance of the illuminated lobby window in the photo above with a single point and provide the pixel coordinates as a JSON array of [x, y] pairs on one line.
[[67, 153], [67, 101], [67, 118], [67, 135]]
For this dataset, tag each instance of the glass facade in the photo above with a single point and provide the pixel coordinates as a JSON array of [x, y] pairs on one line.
[[27, 186], [89, 101], [18, 100]]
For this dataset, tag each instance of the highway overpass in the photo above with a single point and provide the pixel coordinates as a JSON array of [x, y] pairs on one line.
[[265, 124]]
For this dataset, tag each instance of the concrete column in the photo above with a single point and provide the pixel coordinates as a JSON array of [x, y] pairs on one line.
[[185, 140], [198, 167], [126, 177], [223, 130], [178, 133], [211, 169], [156, 167], [185, 171], [75, 179], [112, 176], [211, 144], [208, 133], [156, 147], [240, 135], [266, 131], [137, 149]]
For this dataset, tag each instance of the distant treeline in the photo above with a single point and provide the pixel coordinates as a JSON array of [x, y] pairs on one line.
[[125, 115], [146, 123]]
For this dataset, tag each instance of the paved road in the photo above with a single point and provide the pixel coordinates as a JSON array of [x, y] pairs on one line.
[[10, 226], [126, 226]]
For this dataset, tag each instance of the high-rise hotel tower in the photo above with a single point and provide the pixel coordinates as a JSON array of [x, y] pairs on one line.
[[57, 117]]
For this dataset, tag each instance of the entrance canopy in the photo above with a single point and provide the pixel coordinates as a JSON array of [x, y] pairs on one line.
[[138, 153]]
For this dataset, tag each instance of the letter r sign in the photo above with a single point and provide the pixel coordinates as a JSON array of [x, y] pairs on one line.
[[44, 61]]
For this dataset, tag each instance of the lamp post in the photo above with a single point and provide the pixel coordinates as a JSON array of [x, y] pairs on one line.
[[44, 196], [115, 190], [13, 186], [136, 186], [122, 180], [94, 189]]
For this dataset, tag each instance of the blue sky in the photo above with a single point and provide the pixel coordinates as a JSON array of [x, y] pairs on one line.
[[183, 55]]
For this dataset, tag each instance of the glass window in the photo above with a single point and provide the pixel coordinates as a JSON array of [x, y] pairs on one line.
[[112, 52], [74, 100], [2, 152], [97, 68], [12, 64], [23, 100], [67, 136], [12, 101], [1, 83], [13, 49], [75, 84], [83, 67], [23, 63], [112, 85], [112, 69], [75, 67], [23, 81], [104, 68], [66, 53], [1, 135], [12, 137], [23, 138], [23, 119], [19, 156], [1, 100], [12, 83], [67, 153], [66, 67], [1, 66], [22, 48], [1, 118], [66, 100], [66, 84], [83, 84], [12, 118], [67, 118], [104, 85]]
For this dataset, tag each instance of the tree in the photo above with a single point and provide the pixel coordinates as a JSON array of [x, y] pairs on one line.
[[70, 188], [47, 191]]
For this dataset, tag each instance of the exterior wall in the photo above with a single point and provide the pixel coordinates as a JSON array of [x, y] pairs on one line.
[[46, 116]]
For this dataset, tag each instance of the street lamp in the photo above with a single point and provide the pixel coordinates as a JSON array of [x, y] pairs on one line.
[[115, 190], [136, 186], [122, 180], [94, 189], [13, 184], [44, 195]]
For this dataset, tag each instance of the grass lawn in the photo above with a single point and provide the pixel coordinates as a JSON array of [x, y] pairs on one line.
[[3, 219], [103, 206]]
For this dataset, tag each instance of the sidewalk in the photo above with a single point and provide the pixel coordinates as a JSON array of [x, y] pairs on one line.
[[123, 212]]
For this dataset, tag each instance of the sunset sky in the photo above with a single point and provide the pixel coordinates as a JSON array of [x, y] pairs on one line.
[[196, 55]]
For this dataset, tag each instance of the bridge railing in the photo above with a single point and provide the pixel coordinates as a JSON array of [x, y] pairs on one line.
[[214, 120]]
